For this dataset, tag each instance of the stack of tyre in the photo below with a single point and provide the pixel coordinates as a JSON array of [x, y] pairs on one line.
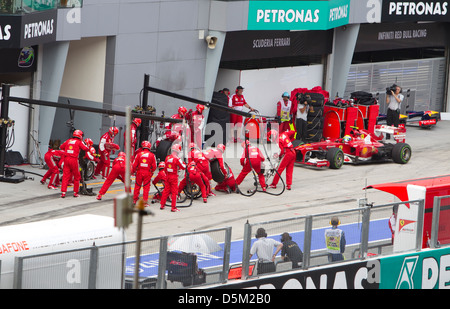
[[319, 98]]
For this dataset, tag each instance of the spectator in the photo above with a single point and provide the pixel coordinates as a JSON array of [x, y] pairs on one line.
[[335, 241], [290, 251], [263, 247]]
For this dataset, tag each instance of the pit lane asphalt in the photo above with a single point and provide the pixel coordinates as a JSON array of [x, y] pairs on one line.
[[313, 191]]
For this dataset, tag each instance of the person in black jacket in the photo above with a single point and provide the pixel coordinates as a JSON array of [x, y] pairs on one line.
[[290, 251], [220, 117]]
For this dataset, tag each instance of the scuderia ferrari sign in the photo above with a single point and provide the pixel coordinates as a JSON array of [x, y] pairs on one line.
[[417, 10], [297, 15]]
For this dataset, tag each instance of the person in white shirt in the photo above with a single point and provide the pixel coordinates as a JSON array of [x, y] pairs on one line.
[[263, 248], [393, 102], [301, 120]]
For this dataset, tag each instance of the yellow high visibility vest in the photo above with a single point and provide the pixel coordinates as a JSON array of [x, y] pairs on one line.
[[285, 111], [333, 240]]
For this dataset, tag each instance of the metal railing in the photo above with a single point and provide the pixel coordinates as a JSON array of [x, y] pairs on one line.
[[168, 262], [308, 233], [203, 257]]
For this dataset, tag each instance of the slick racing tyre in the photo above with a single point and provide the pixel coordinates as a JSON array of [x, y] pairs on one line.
[[163, 150], [401, 153], [89, 172], [192, 191], [336, 158], [216, 173]]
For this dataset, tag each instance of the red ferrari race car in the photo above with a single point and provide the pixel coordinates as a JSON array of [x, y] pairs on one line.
[[387, 143]]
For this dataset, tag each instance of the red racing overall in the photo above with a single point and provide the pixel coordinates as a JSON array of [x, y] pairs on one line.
[[202, 162], [105, 147], [53, 158], [256, 158], [161, 177], [215, 154], [237, 103], [117, 172], [287, 155], [198, 120], [195, 177], [133, 130], [173, 164], [229, 183], [71, 168], [143, 165]]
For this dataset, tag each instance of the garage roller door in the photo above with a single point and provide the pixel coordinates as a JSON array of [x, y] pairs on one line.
[[425, 78]]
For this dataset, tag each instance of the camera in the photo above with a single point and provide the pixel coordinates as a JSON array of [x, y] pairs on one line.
[[302, 98], [392, 88]]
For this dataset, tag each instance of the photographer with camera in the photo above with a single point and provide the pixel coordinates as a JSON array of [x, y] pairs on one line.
[[303, 107], [393, 100]]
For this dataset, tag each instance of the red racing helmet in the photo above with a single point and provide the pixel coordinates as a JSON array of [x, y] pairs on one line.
[[122, 154], [137, 122], [245, 143], [146, 145], [161, 165], [88, 142], [221, 147], [200, 108], [182, 110], [272, 136], [78, 134], [176, 148], [290, 133], [113, 131]]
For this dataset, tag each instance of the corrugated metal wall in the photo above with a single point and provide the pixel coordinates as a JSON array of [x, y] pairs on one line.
[[424, 77]]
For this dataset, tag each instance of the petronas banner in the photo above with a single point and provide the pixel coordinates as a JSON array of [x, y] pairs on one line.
[[297, 15], [421, 270]]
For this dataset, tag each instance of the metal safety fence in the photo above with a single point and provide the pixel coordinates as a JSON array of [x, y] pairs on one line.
[[166, 262], [366, 231], [211, 257]]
